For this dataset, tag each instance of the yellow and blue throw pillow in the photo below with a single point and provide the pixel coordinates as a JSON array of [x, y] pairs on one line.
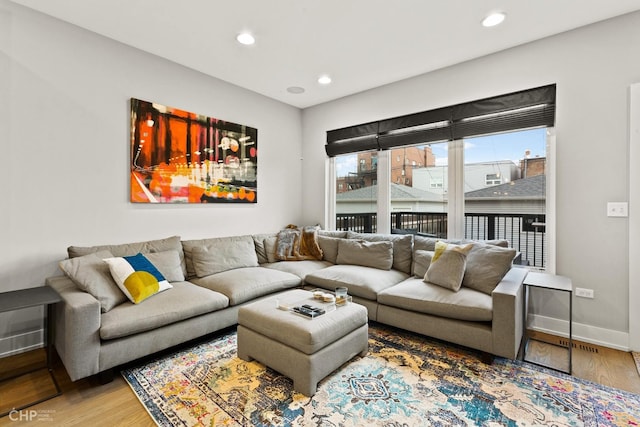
[[137, 277]]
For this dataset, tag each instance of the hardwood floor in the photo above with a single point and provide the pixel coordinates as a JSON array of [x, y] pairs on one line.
[[88, 403]]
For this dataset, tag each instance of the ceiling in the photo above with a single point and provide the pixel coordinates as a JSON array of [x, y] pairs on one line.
[[361, 44]]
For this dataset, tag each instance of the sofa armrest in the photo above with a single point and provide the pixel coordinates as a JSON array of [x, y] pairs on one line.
[[77, 328], [507, 327]]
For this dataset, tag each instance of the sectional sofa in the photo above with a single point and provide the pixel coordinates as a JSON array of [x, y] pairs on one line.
[[477, 301]]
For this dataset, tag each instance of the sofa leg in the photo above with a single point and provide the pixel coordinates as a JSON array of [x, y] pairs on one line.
[[486, 358], [106, 376]]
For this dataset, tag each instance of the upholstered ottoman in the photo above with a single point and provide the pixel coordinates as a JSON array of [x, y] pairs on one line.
[[305, 350]]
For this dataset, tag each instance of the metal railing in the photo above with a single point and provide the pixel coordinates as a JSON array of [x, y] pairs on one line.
[[524, 232]]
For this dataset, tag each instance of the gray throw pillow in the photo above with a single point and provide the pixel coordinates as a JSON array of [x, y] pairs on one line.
[[91, 274], [367, 254], [486, 266]]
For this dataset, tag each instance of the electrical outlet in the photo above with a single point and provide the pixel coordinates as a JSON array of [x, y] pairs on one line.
[[620, 209], [584, 293]]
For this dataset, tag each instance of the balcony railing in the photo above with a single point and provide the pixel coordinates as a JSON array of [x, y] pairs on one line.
[[524, 232]]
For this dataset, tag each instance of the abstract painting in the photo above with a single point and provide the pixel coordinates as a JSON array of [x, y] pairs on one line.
[[183, 157]]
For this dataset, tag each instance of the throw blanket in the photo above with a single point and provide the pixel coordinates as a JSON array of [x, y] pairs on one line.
[[298, 243]]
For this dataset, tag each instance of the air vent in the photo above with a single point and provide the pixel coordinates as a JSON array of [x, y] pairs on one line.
[[579, 346]]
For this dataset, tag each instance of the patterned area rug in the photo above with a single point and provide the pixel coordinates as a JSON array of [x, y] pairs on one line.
[[405, 380]]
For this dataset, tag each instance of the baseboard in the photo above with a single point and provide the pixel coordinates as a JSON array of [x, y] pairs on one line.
[[21, 343], [586, 333]]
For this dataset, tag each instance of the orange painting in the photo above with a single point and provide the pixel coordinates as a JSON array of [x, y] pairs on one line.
[[182, 157]]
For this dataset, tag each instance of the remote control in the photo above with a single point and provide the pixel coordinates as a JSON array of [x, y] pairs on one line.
[[309, 310]]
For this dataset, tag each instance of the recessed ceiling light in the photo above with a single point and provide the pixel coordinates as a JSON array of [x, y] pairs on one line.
[[245, 38], [295, 90], [324, 80], [494, 19]]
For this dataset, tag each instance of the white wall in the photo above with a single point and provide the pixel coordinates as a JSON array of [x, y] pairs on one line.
[[634, 218], [593, 68], [64, 141]]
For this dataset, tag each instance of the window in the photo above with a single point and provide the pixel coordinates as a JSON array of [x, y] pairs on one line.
[[505, 191], [454, 169], [357, 206], [492, 179], [436, 182]]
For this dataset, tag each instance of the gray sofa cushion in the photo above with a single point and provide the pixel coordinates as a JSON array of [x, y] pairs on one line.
[[429, 243], [243, 249], [416, 295], [212, 259], [261, 251], [270, 248], [422, 243], [127, 249], [329, 246], [299, 268], [333, 233], [169, 265], [368, 254], [364, 282], [402, 247], [183, 301], [486, 266], [91, 274], [421, 262], [244, 284]]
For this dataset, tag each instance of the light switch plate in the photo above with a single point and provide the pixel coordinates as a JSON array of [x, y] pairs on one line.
[[618, 209]]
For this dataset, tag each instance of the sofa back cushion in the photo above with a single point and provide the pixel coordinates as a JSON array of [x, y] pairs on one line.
[[168, 263], [486, 266], [209, 256], [421, 262], [329, 246], [367, 254], [340, 234], [129, 249], [261, 249], [402, 247], [91, 274]]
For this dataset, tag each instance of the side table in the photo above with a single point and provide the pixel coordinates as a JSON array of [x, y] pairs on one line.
[[33, 297], [554, 283]]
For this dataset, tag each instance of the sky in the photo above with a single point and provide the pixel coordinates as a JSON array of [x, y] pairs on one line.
[[505, 146]]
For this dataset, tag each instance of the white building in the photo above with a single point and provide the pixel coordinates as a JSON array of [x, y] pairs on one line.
[[476, 176]]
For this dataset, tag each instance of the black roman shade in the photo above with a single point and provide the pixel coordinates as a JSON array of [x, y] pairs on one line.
[[518, 110]]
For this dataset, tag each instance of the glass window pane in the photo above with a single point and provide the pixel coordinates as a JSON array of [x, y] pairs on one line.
[[419, 190], [357, 191], [505, 197]]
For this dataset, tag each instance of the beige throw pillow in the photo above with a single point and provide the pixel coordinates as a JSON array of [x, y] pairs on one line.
[[368, 254], [447, 266]]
